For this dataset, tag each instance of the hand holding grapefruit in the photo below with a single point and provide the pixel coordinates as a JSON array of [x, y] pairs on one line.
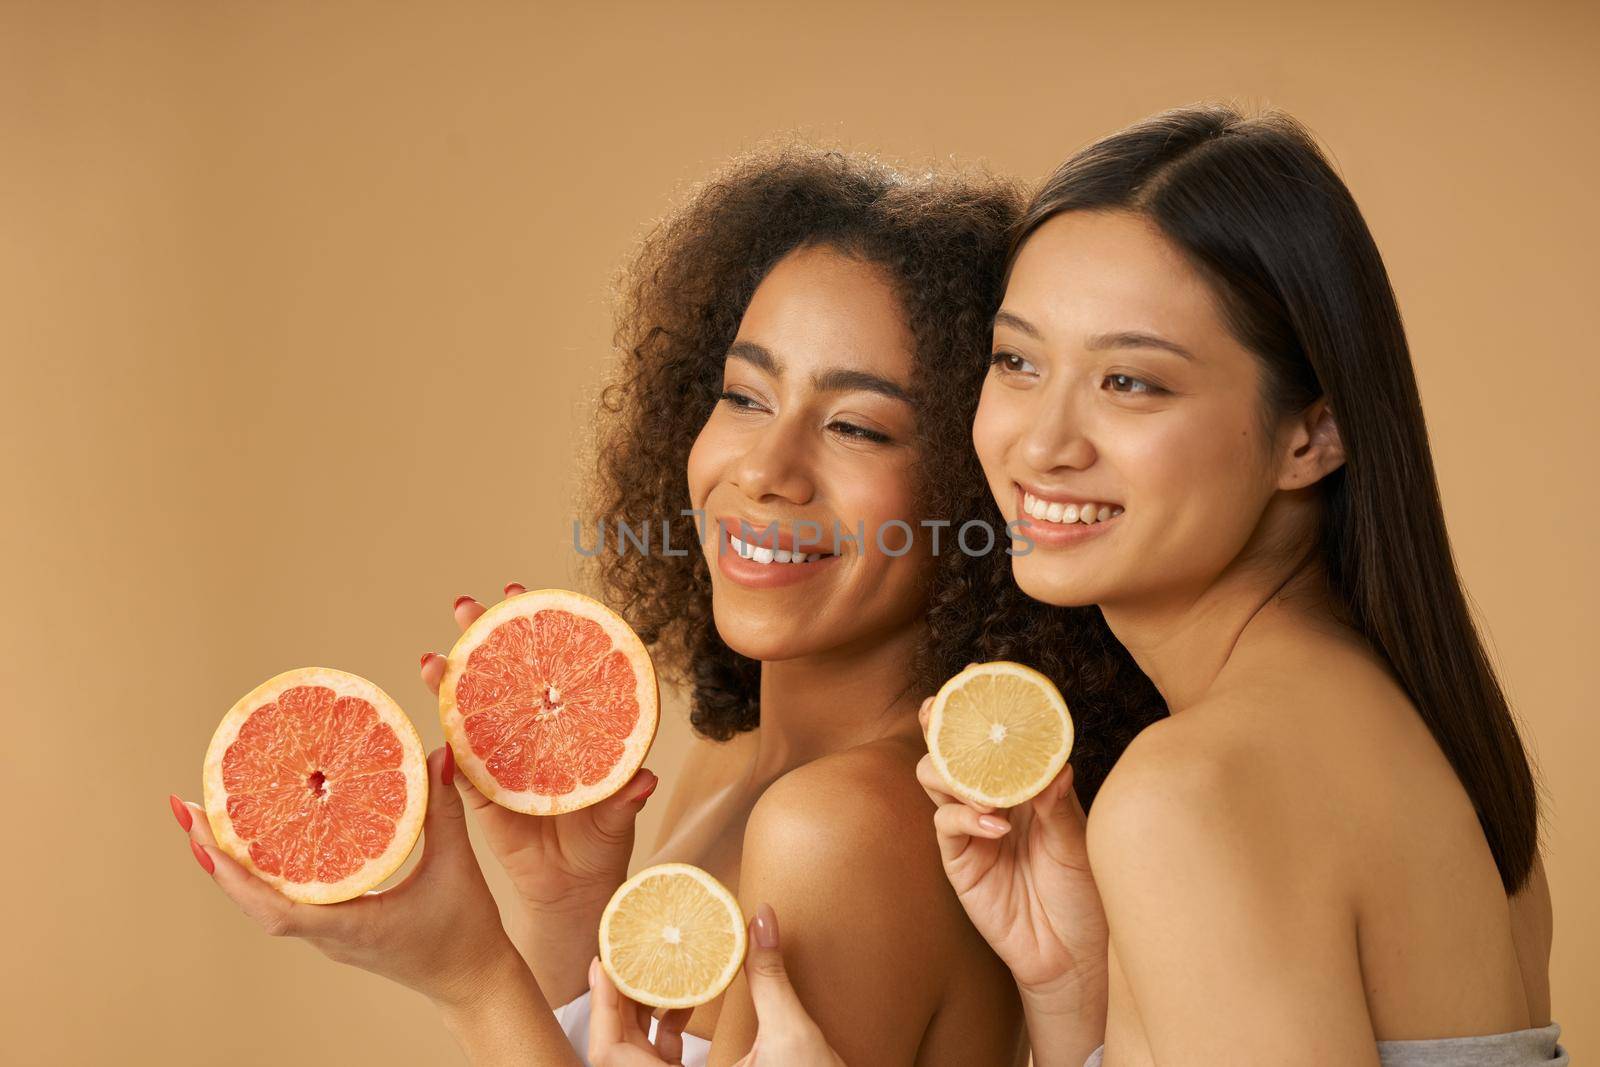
[[437, 931], [564, 867]]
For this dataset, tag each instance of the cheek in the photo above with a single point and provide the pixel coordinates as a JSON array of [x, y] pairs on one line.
[[993, 430], [1203, 468], [704, 464]]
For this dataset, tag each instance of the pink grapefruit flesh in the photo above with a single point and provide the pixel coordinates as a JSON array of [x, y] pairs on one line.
[[549, 700], [316, 782]]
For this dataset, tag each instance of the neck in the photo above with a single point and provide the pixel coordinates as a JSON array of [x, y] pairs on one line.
[[1183, 639], [835, 700]]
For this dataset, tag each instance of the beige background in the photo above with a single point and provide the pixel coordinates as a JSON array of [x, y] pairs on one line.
[[302, 306]]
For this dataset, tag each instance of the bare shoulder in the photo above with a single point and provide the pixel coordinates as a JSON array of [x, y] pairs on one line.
[[862, 805], [1236, 784]]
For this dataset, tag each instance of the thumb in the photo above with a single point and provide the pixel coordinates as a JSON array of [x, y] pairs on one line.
[[778, 1008], [614, 816], [444, 825], [1063, 826]]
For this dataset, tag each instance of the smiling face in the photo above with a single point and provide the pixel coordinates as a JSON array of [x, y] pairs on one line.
[[1118, 394], [813, 433]]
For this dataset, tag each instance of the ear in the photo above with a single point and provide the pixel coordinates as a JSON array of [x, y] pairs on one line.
[[1312, 449]]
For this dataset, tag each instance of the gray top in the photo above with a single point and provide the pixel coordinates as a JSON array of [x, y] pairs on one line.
[[1519, 1048]]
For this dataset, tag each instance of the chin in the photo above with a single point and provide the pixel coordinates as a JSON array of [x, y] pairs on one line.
[[1053, 584]]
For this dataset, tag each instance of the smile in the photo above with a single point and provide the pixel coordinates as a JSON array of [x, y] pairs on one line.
[[778, 562], [1059, 522]]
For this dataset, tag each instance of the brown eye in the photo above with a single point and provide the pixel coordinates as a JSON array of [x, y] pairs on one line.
[[1126, 383], [1010, 363]]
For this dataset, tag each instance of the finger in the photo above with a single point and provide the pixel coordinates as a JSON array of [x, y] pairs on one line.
[[515, 589], [605, 1012], [614, 816], [922, 715], [270, 909], [444, 824], [779, 1012], [669, 1034], [958, 821], [1063, 826], [433, 666], [474, 800], [467, 611]]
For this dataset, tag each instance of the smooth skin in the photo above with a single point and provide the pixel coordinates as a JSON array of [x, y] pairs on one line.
[[817, 812], [1288, 868]]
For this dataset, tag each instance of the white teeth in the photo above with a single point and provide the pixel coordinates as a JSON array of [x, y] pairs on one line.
[[771, 555], [1047, 511]]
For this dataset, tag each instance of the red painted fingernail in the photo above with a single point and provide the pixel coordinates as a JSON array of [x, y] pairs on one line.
[[204, 860], [425, 656], [510, 586], [447, 772], [180, 811], [462, 599], [651, 788]]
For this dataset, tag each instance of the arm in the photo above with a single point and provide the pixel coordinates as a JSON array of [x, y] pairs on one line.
[[845, 858], [509, 1022], [1227, 912]]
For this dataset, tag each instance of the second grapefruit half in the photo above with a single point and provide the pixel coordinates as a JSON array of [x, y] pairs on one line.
[[550, 702]]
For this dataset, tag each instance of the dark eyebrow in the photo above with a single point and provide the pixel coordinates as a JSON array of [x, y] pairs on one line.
[[1017, 322], [751, 352], [838, 379], [1135, 339]]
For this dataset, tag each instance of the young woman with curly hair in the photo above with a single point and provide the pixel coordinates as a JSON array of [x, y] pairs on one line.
[[802, 346]]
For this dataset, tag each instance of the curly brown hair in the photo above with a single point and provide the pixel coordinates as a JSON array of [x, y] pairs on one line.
[[941, 237]]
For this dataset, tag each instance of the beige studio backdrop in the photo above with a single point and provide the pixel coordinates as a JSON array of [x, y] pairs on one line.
[[305, 305]]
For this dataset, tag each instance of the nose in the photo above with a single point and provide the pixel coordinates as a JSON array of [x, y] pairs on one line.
[[1057, 438], [776, 466]]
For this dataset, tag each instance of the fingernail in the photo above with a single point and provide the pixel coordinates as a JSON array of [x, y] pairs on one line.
[[181, 812], [462, 599], [425, 656], [651, 788], [765, 927], [447, 772], [205, 861], [510, 586], [594, 972], [993, 824]]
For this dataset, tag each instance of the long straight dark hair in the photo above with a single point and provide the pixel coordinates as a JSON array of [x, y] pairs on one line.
[[1261, 213]]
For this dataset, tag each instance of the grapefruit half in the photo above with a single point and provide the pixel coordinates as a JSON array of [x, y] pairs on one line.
[[316, 782], [549, 700]]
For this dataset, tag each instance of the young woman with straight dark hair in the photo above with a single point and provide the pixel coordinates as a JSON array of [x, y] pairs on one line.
[[1202, 402]]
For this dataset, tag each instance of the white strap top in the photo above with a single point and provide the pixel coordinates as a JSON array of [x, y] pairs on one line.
[[574, 1020], [1539, 1047]]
